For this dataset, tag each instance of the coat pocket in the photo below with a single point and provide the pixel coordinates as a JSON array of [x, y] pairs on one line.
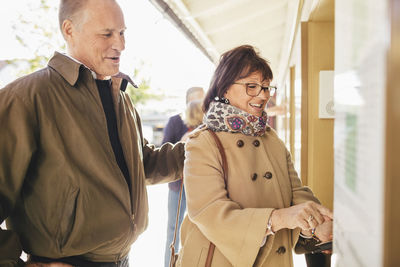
[[67, 218]]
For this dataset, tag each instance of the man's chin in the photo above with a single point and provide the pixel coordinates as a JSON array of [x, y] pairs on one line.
[[109, 73], [114, 71]]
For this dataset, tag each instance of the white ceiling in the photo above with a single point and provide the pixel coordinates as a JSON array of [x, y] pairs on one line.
[[219, 25]]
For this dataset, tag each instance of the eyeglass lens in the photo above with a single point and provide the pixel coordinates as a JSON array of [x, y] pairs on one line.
[[254, 89]]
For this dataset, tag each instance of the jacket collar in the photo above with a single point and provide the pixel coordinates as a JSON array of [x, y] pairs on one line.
[[69, 69]]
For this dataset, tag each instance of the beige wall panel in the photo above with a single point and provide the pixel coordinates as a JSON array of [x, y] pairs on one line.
[[320, 131], [317, 134]]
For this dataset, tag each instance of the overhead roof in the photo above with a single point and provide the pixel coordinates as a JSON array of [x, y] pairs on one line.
[[217, 26]]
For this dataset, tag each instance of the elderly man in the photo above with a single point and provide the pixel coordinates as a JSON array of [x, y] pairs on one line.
[[73, 160]]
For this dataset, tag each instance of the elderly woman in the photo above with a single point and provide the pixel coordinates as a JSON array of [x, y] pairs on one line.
[[254, 218]]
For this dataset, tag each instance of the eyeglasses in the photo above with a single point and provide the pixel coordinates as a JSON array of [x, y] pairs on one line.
[[254, 89]]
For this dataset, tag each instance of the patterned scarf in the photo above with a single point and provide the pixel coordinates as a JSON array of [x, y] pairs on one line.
[[222, 117]]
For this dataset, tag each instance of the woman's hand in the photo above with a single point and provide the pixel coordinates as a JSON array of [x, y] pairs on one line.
[[306, 216], [324, 230]]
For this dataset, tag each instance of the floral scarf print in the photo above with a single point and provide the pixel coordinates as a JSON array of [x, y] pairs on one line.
[[222, 117]]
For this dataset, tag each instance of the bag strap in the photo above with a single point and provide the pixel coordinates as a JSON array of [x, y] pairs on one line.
[[211, 248], [172, 245]]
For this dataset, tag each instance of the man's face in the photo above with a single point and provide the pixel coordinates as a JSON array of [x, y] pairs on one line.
[[97, 39]]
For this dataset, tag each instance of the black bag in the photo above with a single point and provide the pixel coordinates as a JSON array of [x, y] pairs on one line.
[[312, 248]]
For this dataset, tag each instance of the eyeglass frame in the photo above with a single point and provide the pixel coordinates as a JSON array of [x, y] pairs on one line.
[[263, 88]]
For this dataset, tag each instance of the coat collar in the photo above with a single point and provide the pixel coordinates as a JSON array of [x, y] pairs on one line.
[[69, 69]]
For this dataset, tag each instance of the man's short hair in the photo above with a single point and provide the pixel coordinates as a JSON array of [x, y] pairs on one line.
[[69, 9], [192, 90]]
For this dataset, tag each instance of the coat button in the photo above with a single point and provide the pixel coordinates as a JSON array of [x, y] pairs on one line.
[[254, 176], [268, 175], [256, 143], [281, 250], [240, 143], [268, 129]]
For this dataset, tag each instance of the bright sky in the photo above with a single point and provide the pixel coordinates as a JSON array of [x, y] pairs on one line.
[[172, 62]]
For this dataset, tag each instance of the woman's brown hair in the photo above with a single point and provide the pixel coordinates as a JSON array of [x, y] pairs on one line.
[[235, 64]]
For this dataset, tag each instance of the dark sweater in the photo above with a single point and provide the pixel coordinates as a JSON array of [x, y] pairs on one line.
[[104, 87]]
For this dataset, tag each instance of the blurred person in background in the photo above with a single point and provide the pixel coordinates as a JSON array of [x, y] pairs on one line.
[[193, 117], [177, 126]]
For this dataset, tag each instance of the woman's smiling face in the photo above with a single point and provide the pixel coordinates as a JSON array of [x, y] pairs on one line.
[[238, 97]]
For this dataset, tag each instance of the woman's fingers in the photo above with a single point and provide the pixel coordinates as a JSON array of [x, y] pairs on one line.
[[325, 211], [312, 214], [312, 222], [326, 218], [304, 225], [317, 216], [306, 215], [324, 231]]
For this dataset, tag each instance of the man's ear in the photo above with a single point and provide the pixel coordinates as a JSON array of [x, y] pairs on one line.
[[67, 29]]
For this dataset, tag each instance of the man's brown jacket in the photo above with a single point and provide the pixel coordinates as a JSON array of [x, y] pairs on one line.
[[61, 189]]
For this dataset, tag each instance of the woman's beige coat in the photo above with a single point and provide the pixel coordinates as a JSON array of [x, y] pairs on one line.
[[260, 177]]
